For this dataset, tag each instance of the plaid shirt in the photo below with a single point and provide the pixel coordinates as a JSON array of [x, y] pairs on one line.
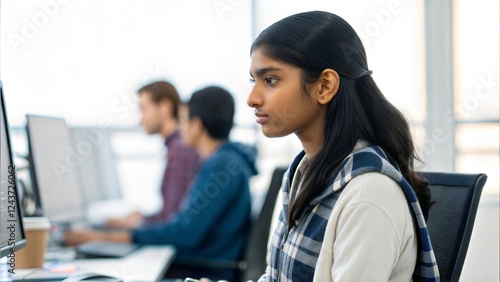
[[183, 164], [294, 252]]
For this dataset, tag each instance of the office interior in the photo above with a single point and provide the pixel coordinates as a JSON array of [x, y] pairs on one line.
[[83, 61]]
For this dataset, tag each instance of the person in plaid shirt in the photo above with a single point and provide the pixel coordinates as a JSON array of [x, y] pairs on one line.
[[159, 103]]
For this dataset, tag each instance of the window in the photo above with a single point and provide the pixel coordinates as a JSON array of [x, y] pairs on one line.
[[476, 83]]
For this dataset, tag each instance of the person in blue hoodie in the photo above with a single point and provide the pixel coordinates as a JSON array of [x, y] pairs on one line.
[[213, 220]]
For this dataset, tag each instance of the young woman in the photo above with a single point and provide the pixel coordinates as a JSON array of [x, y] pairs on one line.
[[352, 202]]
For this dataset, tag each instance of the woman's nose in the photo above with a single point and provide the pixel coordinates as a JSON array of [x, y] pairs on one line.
[[254, 98]]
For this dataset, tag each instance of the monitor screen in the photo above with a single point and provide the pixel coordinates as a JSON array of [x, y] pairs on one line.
[[98, 175], [54, 165], [11, 227]]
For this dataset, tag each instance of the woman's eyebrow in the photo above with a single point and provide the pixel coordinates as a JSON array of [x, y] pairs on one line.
[[263, 71]]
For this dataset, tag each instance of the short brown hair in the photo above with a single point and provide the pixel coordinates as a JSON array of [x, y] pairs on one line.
[[161, 90]]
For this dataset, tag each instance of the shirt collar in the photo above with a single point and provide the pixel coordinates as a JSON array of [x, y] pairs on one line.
[[172, 137]]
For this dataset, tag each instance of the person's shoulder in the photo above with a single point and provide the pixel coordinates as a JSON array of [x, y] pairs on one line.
[[180, 148], [232, 151], [375, 188], [377, 194], [232, 157], [184, 148], [223, 157]]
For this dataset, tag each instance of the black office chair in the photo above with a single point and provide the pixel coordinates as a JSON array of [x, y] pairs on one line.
[[256, 249], [253, 264], [451, 219]]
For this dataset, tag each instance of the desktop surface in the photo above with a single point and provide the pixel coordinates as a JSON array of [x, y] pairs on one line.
[[148, 263]]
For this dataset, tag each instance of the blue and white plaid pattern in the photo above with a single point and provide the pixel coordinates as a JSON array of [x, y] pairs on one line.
[[294, 254]]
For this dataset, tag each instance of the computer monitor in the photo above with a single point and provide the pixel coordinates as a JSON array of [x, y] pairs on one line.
[[54, 165], [12, 236], [98, 174]]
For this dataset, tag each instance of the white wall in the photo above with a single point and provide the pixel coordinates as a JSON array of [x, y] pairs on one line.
[[84, 60]]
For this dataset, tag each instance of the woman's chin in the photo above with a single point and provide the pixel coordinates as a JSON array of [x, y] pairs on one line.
[[272, 133]]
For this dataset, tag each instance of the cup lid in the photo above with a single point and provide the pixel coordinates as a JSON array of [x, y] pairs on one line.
[[35, 223]]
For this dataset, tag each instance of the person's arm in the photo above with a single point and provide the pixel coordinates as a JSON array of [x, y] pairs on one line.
[[205, 204], [182, 167], [131, 221], [372, 230], [73, 238]]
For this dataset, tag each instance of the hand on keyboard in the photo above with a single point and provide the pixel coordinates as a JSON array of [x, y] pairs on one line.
[[73, 238]]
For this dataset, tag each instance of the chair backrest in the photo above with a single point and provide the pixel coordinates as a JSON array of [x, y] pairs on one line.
[[451, 219], [256, 250]]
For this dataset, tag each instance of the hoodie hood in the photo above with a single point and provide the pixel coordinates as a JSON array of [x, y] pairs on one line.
[[247, 153]]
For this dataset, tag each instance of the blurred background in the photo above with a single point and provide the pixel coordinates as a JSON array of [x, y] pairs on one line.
[[83, 60]]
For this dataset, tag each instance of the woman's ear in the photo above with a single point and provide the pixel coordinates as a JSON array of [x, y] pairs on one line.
[[328, 85]]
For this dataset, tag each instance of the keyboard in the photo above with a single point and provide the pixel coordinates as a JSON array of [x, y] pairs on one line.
[[103, 249]]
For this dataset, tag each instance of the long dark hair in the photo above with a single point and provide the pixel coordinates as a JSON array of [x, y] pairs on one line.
[[313, 42]]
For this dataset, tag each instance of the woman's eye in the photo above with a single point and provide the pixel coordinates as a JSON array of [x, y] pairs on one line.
[[271, 80], [252, 80]]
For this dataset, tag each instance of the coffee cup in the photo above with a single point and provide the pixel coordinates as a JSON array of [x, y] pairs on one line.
[[37, 233]]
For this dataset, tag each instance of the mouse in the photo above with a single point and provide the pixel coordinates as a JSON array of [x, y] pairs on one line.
[[89, 276]]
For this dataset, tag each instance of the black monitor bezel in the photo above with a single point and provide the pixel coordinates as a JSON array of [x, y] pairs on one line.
[[4, 251]]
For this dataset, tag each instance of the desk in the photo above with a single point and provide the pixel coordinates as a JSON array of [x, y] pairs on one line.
[[149, 263]]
